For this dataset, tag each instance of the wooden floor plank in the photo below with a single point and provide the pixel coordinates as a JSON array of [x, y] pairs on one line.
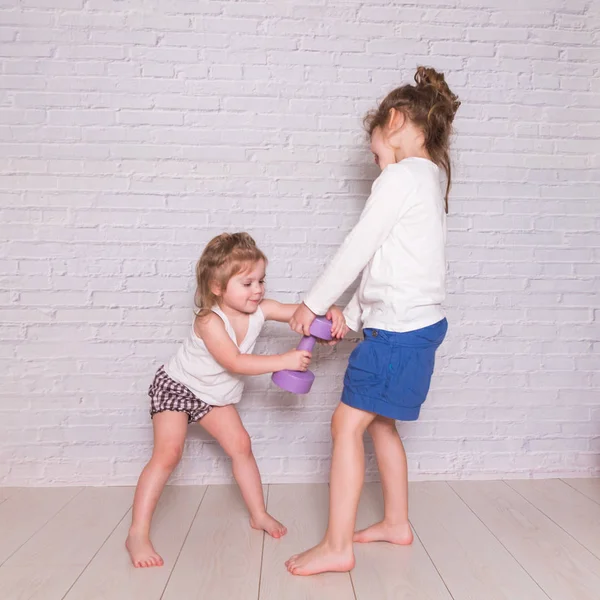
[[559, 564], [172, 520], [49, 562], [303, 509], [472, 562], [588, 487], [221, 556], [27, 511], [389, 572], [575, 513]]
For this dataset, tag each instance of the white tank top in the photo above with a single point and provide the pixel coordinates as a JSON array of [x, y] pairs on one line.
[[194, 366]]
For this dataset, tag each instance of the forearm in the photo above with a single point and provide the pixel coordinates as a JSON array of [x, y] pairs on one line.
[[350, 259], [338, 275], [255, 364], [276, 311], [284, 312], [383, 209]]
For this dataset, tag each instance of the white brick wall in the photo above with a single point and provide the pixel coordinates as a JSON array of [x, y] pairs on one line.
[[132, 132]]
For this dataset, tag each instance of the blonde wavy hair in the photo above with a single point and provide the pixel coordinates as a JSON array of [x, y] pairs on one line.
[[224, 256]]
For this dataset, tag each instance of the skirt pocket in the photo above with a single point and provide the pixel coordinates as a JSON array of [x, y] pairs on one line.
[[366, 369], [412, 381]]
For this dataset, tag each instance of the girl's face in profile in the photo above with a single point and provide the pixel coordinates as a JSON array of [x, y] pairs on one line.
[[384, 154]]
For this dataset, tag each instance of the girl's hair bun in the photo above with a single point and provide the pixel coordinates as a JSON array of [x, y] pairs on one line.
[[429, 79]]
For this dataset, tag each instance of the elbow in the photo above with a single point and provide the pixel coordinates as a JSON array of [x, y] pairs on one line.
[[235, 366]]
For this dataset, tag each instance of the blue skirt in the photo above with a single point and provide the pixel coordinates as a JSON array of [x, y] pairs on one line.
[[389, 373]]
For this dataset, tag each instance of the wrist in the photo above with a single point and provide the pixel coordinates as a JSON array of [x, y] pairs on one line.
[[279, 362], [307, 307]]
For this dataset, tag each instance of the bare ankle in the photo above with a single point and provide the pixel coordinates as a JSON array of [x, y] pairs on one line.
[[139, 531], [395, 522], [258, 515], [338, 546]]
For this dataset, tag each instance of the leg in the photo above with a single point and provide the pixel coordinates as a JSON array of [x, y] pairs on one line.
[[391, 459], [335, 553], [225, 425], [170, 428]]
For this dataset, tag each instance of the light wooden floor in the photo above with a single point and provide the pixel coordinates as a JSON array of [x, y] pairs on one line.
[[516, 540]]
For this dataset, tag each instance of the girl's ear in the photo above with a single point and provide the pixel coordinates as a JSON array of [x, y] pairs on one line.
[[396, 120], [215, 288]]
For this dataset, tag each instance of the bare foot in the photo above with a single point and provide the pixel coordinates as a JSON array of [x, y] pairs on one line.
[[142, 551], [321, 559], [267, 523], [385, 532]]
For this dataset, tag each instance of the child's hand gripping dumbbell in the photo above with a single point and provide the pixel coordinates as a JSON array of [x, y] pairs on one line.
[[300, 382]]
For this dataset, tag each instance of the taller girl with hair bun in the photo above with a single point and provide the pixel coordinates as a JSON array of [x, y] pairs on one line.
[[398, 245]]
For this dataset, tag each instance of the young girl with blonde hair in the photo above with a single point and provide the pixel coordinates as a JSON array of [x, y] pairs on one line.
[[202, 382]]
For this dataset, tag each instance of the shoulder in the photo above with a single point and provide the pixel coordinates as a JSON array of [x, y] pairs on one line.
[[419, 169], [397, 177], [208, 324], [405, 170]]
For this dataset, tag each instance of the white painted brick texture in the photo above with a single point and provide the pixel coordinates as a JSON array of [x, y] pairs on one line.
[[132, 132]]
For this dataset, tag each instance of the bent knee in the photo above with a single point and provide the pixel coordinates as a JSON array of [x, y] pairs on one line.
[[340, 425], [348, 421], [168, 456], [240, 445]]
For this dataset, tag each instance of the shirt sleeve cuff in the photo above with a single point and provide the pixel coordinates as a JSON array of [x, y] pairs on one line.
[[314, 306]]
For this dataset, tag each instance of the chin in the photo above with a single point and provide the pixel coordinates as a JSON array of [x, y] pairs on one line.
[[252, 307]]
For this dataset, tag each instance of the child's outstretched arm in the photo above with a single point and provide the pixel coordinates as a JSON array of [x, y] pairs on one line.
[[276, 311], [212, 331], [387, 202]]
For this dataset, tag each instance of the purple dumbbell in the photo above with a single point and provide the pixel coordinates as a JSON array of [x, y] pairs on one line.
[[300, 382]]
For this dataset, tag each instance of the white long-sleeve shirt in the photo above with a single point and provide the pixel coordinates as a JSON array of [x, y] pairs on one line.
[[399, 242]]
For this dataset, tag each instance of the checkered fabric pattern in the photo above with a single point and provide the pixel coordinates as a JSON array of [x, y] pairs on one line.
[[167, 394]]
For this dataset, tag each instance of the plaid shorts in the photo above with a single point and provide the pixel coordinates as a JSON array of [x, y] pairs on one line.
[[167, 394]]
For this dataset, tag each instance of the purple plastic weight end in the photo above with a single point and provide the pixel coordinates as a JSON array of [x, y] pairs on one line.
[[296, 382], [321, 328]]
